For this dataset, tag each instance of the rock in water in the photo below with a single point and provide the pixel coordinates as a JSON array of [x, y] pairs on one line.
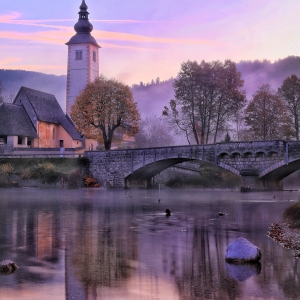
[[241, 251], [7, 266]]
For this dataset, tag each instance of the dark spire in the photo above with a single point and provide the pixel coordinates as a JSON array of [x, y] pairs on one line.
[[83, 6], [83, 28], [83, 25]]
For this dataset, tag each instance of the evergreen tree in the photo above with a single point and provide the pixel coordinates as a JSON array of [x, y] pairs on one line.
[[1, 96], [227, 138]]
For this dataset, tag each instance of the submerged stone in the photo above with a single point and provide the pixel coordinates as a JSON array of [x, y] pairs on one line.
[[241, 251], [7, 266]]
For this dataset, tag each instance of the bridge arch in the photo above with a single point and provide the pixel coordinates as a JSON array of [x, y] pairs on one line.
[[281, 169], [247, 154], [260, 153], [142, 173], [235, 154]]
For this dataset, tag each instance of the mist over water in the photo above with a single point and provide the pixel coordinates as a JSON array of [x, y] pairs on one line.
[[119, 244]]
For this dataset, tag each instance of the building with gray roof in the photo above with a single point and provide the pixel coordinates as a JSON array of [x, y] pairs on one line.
[[36, 120]]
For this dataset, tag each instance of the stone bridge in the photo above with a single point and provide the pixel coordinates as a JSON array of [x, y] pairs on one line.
[[262, 165]]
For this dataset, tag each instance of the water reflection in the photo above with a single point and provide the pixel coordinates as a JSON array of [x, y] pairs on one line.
[[101, 250], [97, 244], [242, 272]]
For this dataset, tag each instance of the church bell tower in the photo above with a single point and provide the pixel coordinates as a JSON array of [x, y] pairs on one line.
[[83, 59]]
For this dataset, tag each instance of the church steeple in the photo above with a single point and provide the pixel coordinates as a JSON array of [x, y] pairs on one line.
[[83, 60], [83, 28]]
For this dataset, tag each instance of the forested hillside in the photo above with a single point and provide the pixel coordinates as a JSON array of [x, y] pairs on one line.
[[12, 80], [153, 96]]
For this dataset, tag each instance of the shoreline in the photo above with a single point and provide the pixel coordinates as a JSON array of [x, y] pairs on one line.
[[286, 235]]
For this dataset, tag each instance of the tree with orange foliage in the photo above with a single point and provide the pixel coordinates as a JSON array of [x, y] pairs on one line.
[[105, 111]]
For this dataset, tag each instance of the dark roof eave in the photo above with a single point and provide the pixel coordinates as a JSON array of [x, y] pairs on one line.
[[95, 44], [82, 38]]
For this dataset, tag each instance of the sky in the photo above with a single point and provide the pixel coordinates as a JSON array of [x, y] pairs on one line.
[[141, 40]]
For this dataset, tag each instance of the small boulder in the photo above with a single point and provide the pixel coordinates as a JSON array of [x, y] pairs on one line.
[[8, 266], [242, 251]]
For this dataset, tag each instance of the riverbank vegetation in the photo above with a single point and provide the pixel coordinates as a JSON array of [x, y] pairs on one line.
[[44, 170]]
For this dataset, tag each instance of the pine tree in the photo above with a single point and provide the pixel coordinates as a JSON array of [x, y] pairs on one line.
[[227, 138], [1, 96]]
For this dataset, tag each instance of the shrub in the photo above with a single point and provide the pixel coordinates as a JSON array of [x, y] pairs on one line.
[[45, 172], [6, 169], [292, 215]]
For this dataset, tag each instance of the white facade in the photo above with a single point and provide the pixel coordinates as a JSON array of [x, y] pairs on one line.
[[83, 58], [83, 68]]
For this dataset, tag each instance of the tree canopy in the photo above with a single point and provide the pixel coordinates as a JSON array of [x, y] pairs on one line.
[[290, 95], [105, 111], [153, 132], [207, 96], [266, 116]]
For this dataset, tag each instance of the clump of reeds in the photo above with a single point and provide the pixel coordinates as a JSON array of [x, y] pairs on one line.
[[291, 215]]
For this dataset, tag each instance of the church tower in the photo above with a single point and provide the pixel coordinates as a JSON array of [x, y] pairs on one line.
[[83, 59]]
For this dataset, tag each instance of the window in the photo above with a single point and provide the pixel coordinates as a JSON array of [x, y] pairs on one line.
[[20, 140], [94, 56], [53, 133], [3, 139], [78, 54]]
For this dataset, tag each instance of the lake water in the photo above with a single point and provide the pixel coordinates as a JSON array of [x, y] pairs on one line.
[[119, 244]]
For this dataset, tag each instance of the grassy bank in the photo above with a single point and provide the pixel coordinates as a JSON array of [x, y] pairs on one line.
[[45, 170]]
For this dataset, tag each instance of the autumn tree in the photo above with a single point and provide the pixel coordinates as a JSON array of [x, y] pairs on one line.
[[153, 132], [207, 97], [105, 111], [290, 95], [266, 116]]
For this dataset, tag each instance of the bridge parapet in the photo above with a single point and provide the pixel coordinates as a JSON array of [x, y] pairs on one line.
[[293, 148], [252, 147]]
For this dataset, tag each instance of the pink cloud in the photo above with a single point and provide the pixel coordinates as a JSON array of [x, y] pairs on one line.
[[64, 32], [8, 61]]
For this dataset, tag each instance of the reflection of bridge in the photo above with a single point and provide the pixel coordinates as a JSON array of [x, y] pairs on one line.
[[261, 164]]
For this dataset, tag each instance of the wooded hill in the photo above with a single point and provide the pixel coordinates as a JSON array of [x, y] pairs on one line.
[[153, 96]]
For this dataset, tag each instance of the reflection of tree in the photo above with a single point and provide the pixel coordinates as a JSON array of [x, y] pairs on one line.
[[203, 275], [101, 250], [290, 284]]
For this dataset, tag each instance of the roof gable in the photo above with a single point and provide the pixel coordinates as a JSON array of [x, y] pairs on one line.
[[15, 121], [47, 109]]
